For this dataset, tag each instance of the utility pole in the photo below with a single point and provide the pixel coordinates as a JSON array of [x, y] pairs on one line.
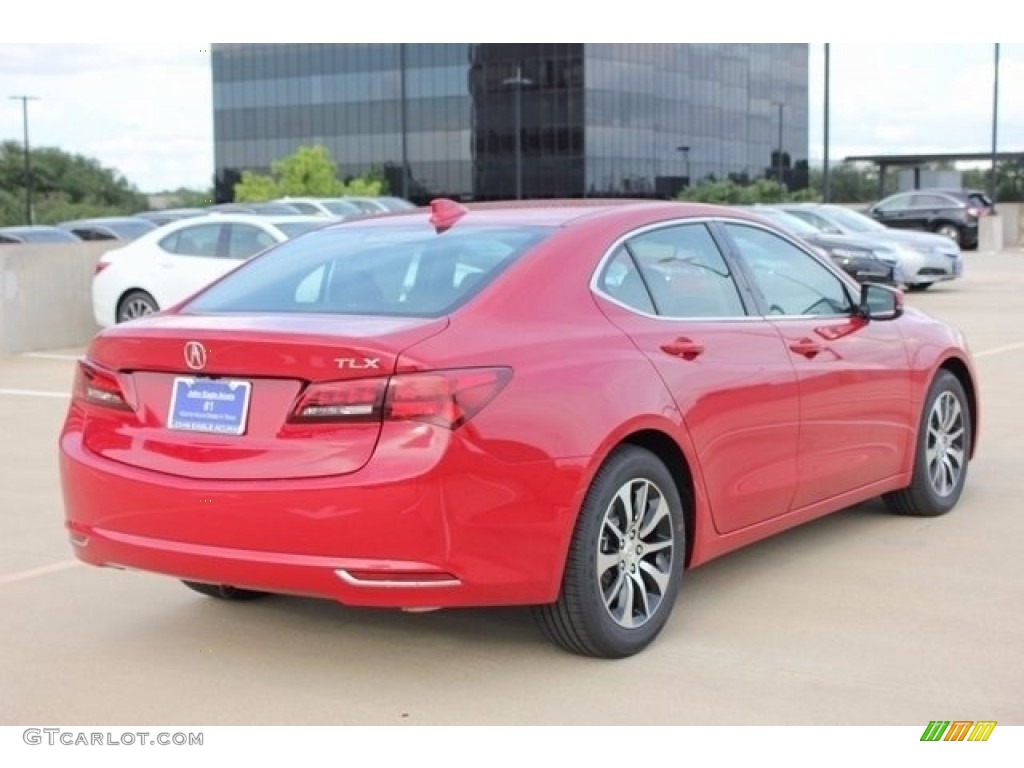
[[28, 156], [993, 184], [780, 179], [827, 178], [519, 82]]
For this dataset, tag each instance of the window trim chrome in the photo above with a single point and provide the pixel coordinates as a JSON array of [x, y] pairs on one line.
[[709, 220]]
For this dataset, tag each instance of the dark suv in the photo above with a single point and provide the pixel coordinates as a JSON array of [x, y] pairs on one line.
[[950, 212]]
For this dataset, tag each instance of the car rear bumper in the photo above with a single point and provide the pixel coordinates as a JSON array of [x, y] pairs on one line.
[[461, 530]]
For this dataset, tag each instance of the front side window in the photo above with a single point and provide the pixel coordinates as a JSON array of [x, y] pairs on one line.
[[408, 271], [894, 204], [791, 281]]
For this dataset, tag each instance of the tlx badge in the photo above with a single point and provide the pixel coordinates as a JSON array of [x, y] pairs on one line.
[[358, 363]]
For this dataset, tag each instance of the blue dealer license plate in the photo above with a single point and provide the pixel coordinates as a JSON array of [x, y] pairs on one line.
[[209, 405]]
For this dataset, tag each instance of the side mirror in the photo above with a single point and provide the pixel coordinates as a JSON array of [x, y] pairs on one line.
[[880, 302]]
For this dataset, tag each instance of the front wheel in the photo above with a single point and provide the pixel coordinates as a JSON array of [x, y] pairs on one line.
[[625, 561], [940, 459], [952, 231]]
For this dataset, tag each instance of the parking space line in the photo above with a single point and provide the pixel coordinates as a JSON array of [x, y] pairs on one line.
[[33, 393], [50, 356], [13, 578], [997, 350]]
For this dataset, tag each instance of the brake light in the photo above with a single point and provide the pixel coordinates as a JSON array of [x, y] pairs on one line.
[[99, 386], [359, 400], [446, 398], [100, 266]]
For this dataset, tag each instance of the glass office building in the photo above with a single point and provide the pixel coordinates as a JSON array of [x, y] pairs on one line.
[[482, 121]]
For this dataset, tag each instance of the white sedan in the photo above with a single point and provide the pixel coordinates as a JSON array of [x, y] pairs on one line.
[[169, 264]]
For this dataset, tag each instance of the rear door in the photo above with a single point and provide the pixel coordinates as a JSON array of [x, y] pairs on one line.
[[190, 258], [673, 293]]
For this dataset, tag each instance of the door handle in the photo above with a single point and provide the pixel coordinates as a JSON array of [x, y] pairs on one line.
[[683, 347], [806, 347]]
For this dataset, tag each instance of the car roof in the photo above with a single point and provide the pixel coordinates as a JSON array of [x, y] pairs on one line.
[[28, 228], [555, 213], [103, 220], [243, 218]]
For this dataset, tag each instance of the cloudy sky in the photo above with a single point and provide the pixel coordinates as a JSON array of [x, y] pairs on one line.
[[145, 109]]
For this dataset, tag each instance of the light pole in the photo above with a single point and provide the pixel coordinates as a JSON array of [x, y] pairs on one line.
[[686, 159], [993, 184], [519, 82], [403, 106], [780, 105], [28, 157], [827, 179]]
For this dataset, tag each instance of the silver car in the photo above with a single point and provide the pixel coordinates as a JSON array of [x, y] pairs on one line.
[[926, 258]]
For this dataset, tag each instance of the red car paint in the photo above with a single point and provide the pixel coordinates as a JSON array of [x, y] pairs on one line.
[[768, 422]]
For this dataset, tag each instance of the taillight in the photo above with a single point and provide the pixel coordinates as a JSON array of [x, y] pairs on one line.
[[445, 398], [359, 400], [99, 386], [100, 266]]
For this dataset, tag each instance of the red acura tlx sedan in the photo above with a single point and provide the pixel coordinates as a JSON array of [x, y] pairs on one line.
[[559, 405]]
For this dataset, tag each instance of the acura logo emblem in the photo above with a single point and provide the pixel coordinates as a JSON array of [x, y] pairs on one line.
[[195, 355]]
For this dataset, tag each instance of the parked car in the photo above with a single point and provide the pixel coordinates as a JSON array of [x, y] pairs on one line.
[[172, 262], [952, 213], [264, 209], [168, 215], [395, 203], [926, 258], [36, 233], [109, 228], [561, 405], [316, 206], [371, 205], [856, 256]]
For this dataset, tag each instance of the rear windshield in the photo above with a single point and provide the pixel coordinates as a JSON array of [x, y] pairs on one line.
[[409, 271], [48, 236], [295, 228], [786, 221], [129, 230]]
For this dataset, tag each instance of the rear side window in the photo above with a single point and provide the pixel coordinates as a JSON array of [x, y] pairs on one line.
[[200, 240], [372, 271]]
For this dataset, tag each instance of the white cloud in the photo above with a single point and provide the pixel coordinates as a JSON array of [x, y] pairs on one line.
[[916, 99]]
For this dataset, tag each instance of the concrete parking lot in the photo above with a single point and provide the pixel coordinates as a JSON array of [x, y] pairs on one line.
[[859, 618]]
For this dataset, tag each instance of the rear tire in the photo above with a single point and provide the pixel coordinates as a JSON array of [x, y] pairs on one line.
[[224, 591], [135, 304], [625, 561], [941, 456]]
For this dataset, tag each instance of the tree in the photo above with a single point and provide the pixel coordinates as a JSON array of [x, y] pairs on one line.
[[310, 171], [65, 186], [730, 192]]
